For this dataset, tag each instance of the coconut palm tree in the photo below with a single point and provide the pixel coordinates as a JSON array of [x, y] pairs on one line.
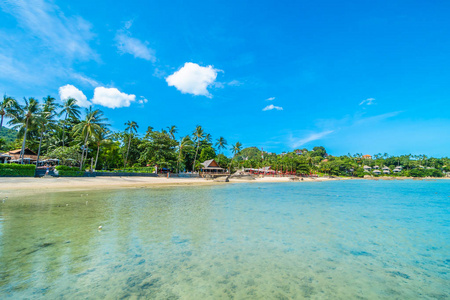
[[100, 137], [221, 143], [92, 123], [131, 127], [172, 130], [24, 116], [235, 149], [71, 110], [198, 135], [208, 138], [45, 120], [5, 107], [183, 143]]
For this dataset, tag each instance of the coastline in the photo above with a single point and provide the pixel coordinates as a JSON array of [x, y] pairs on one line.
[[21, 186], [30, 185]]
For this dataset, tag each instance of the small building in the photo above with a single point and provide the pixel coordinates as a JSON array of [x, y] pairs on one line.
[[367, 168], [4, 158], [376, 167], [376, 172], [386, 170], [398, 169], [211, 166], [367, 156], [29, 156]]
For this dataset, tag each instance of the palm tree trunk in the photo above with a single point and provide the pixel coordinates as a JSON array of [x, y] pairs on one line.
[[82, 153], [195, 158], [179, 157], [64, 128], [23, 143], [128, 150], [96, 157], [1, 124], [39, 151]]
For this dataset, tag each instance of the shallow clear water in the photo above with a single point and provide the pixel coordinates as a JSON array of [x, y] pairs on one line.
[[344, 239]]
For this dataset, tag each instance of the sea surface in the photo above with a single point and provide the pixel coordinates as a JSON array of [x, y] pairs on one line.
[[354, 239]]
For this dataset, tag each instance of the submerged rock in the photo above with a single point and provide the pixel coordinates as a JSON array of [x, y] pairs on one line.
[[222, 179]]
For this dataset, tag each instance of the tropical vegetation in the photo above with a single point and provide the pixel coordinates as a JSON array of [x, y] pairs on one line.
[[84, 140]]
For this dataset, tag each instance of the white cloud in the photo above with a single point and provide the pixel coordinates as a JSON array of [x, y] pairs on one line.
[[377, 118], [112, 97], [235, 83], [142, 100], [368, 101], [133, 46], [270, 99], [295, 143], [128, 24], [85, 79], [69, 91], [67, 36], [42, 37], [193, 79], [271, 106]]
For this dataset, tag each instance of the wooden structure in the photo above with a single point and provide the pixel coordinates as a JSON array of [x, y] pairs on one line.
[[4, 158], [29, 156], [212, 168]]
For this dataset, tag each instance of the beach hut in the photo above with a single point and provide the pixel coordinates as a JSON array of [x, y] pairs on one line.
[[376, 172], [211, 167], [4, 158], [376, 167], [398, 169], [29, 156], [386, 170], [367, 168]]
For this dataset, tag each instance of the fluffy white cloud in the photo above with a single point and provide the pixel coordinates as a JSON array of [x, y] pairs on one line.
[[133, 46], [69, 91], [193, 79], [368, 101], [270, 99], [271, 106], [112, 97]]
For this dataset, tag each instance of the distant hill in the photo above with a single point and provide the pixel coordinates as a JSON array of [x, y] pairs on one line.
[[250, 153], [9, 135]]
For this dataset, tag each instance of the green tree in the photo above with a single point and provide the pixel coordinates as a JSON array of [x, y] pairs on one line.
[[198, 135], [221, 143], [131, 128], [71, 110], [23, 117], [184, 142], [236, 148], [100, 136], [6, 107], [93, 122], [207, 153], [172, 130]]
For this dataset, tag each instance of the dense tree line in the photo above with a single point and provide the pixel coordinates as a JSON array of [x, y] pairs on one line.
[[84, 139]]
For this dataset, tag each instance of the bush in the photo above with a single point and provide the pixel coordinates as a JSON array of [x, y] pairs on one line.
[[65, 171], [132, 170], [17, 170]]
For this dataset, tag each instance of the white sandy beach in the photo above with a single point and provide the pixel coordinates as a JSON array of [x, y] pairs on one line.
[[23, 185]]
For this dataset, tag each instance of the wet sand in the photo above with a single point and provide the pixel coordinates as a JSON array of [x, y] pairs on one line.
[[27, 186]]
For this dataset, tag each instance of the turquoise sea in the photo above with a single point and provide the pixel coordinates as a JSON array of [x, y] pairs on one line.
[[353, 239]]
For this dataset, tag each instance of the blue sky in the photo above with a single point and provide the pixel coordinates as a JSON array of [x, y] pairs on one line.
[[353, 76]]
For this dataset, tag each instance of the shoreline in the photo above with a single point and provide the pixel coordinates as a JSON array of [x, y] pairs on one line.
[[30, 185], [21, 186]]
